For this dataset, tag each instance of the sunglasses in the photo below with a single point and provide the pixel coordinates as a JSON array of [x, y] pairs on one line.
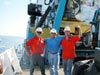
[[39, 32], [53, 33]]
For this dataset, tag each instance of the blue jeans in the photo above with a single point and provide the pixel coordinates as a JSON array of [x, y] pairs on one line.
[[67, 64], [37, 59], [54, 60]]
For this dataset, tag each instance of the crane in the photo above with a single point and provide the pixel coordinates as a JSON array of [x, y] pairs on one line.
[[57, 10]]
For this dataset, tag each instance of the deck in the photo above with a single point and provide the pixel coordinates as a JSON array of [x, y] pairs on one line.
[[37, 71]]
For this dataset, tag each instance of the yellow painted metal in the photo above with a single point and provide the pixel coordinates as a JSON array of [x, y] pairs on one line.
[[85, 27], [46, 32]]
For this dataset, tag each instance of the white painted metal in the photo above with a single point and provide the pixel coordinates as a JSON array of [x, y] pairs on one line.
[[11, 64]]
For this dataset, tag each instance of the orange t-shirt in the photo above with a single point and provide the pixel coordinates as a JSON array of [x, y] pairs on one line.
[[36, 45], [68, 47]]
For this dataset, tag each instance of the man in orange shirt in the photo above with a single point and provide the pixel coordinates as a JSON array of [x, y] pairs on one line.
[[68, 49], [37, 46]]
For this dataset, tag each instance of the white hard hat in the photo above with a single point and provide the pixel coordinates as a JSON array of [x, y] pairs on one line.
[[67, 28], [53, 31], [39, 29]]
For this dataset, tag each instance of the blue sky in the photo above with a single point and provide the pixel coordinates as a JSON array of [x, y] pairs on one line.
[[13, 17]]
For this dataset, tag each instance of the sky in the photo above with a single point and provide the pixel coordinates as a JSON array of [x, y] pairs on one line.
[[14, 17]]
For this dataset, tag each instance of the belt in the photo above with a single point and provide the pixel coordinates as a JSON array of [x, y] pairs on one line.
[[52, 52]]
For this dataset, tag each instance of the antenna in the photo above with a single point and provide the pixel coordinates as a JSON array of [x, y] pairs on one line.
[[30, 1]]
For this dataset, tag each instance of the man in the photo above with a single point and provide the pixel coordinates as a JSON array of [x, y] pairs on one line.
[[68, 49], [26, 57], [52, 47], [36, 45]]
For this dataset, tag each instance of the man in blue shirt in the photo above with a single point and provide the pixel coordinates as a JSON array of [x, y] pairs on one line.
[[53, 49]]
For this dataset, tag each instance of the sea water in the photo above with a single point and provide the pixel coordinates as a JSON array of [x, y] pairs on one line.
[[7, 42]]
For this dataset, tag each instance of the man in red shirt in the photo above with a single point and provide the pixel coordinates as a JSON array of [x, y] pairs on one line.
[[37, 46], [68, 49]]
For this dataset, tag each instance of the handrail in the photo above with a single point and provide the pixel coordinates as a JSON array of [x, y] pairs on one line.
[[10, 61]]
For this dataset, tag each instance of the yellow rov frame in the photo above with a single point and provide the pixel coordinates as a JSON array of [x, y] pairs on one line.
[[85, 27]]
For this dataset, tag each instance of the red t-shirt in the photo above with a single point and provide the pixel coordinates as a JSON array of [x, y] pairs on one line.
[[36, 45], [68, 47]]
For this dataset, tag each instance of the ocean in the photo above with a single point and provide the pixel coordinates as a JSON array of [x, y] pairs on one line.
[[7, 42]]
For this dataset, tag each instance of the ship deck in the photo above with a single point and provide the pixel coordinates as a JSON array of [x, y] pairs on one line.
[[37, 71]]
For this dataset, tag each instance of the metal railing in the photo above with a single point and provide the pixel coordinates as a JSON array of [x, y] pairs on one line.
[[10, 61]]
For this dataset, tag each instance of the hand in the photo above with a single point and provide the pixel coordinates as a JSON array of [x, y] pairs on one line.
[[42, 55], [77, 27], [27, 53]]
